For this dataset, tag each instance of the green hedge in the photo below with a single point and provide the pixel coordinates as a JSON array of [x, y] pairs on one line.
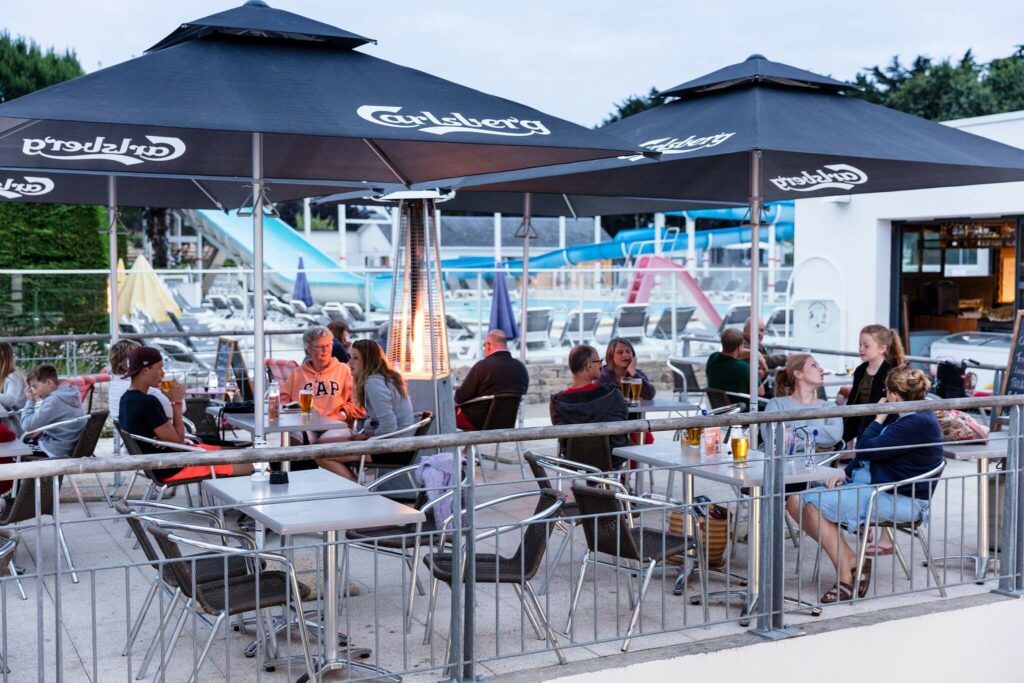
[[52, 237]]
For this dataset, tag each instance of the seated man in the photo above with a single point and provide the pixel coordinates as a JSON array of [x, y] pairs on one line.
[[330, 382], [141, 414], [49, 401], [497, 373], [586, 400], [725, 370]]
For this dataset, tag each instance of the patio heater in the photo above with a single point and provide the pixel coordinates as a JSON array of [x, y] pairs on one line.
[[418, 332]]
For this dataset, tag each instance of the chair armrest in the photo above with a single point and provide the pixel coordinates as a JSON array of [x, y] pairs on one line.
[[206, 514], [244, 539], [52, 425], [883, 488], [167, 444], [405, 431], [372, 486], [546, 513], [478, 399], [491, 503]]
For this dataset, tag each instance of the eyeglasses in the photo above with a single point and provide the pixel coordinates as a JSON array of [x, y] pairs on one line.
[[596, 360], [322, 347]]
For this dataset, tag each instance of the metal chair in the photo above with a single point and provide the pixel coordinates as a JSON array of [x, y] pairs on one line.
[[207, 569], [418, 428], [257, 592], [607, 517], [398, 540], [684, 378], [502, 413], [158, 485], [517, 570], [23, 508], [86, 448], [593, 451]]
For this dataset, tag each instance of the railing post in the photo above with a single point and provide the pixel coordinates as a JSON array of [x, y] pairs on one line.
[[770, 605], [1011, 547], [455, 639]]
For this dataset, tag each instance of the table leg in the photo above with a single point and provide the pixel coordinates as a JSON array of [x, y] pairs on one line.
[[983, 558], [684, 570]]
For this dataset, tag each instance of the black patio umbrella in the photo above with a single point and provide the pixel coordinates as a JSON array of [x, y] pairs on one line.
[[762, 131], [267, 94]]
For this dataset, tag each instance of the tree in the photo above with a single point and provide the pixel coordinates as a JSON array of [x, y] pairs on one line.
[[47, 237], [25, 68], [634, 104], [944, 90]]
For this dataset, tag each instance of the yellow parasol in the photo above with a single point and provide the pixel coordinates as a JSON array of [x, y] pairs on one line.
[[143, 289]]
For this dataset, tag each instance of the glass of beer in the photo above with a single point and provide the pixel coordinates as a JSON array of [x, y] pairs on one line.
[[636, 385], [306, 401], [740, 444], [165, 385], [624, 386]]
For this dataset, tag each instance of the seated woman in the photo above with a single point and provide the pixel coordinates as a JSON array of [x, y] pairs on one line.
[[381, 391], [796, 388], [844, 497], [620, 364]]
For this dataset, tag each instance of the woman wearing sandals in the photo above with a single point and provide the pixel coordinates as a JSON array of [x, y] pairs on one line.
[[891, 448]]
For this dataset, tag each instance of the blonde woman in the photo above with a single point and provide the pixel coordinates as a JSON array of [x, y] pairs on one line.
[[891, 448], [12, 386], [796, 388]]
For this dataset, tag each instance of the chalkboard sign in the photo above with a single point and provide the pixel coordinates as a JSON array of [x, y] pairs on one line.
[[230, 365], [1013, 378]]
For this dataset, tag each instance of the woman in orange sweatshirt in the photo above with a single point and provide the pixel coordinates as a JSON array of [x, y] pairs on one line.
[[330, 382]]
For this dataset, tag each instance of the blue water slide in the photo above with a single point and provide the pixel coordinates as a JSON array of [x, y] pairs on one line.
[[282, 247]]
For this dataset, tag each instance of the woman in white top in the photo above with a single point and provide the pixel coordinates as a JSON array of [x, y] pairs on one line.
[[12, 386], [796, 388]]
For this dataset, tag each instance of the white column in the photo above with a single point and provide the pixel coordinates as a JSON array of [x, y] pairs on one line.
[[437, 222], [395, 218], [659, 228], [497, 237], [115, 330], [691, 245], [597, 264], [562, 277], [342, 234], [307, 218], [772, 255]]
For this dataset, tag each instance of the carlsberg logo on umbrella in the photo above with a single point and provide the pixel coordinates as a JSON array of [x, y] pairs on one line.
[[837, 176], [453, 122], [676, 146], [28, 186], [125, 152]]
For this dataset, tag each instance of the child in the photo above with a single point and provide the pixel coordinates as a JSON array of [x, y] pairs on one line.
[[49, 401]]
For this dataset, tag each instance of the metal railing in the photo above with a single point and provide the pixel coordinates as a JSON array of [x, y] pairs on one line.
[[83, 626]]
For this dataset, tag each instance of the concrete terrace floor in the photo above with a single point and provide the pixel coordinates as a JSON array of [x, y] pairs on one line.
[[108, 593]]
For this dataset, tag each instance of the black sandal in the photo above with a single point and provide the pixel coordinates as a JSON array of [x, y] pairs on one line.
[[841, 592]]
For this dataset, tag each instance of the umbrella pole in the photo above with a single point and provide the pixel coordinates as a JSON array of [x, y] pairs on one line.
[[755, 294], [115, 331], [524, 293], [259, 377]]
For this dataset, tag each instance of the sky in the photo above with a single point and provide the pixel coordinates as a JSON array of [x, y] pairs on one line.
[[571, 58]]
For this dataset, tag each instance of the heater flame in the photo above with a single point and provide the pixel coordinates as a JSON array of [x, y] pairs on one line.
[[419, 344]]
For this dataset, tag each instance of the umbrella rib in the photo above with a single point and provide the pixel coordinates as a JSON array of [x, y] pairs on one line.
[[208, 194], [569, 204], [19, 127], [386, 161]]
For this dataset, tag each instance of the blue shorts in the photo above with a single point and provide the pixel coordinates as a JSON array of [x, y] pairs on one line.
[[847, 504]]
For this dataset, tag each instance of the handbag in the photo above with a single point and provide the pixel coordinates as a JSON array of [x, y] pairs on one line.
[[957, 425]]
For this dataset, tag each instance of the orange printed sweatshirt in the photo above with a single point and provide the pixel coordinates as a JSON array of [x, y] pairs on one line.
[[332, 389]]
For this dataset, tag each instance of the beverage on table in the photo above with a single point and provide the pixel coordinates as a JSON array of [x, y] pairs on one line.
[[165, 385], [635, 387], [740, 444], [306, 401], [625, 387], [274, 401]]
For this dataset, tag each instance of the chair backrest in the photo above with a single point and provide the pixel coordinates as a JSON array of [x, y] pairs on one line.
[[535, 538], [539, 321], [718, 398], [630, 322], [606, 526], [664, 328], [130, 444], [279, 369], [181, 570], [86, 385], [503, 411], [85, 447], [735, 317], [135, 524], [595, 451], [23, 507], [591, 320], [684, 379]]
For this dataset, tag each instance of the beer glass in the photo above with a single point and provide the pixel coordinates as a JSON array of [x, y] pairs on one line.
[[306, 401], [740, 444], [635, 387], [165, 385], [624, 387]]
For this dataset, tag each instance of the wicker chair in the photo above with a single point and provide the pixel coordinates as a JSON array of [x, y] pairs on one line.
[[502, 413], [23, 508], [256, 592], [86, 448], [606, 511], [517, 570], [419, 427]]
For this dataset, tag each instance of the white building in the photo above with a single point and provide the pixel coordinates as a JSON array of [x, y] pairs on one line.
[[865, 252]]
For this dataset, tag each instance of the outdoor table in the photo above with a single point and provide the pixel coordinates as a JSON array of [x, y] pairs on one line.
[[354, 508], [662, 405], [983, 454], [205, 391], [724, 470]]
